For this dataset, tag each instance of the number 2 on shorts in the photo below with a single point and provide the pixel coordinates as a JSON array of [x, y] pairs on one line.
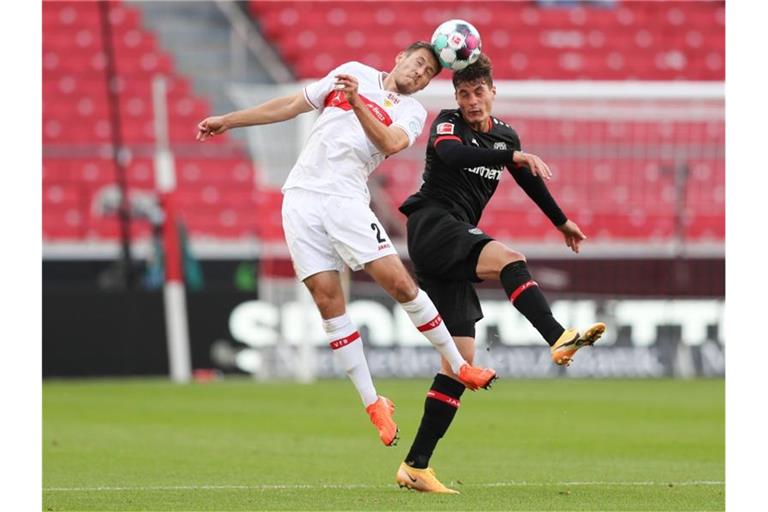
[[377, 229]]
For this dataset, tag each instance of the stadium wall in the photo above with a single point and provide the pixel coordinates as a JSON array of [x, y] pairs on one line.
[[93, 332]]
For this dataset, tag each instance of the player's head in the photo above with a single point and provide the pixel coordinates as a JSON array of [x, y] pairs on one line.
[[415, 67], [474, 90]]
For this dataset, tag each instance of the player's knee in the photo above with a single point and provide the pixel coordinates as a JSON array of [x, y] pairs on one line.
[[403, 289], [325, 305], [511, 256], [329, 304]]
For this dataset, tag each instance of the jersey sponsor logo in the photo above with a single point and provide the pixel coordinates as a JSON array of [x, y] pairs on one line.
[[476, 231], [486, 172], [338, 99], [445, 129], [378, 112], [499, 145]]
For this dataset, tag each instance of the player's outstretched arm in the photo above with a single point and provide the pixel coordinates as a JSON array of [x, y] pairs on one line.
[[537, 190], [272, 111]]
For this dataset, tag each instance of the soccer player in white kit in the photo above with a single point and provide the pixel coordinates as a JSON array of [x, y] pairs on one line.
[[365, 116]]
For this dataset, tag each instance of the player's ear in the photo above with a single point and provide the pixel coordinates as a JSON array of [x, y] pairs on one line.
[[493, 91], [400, 56]]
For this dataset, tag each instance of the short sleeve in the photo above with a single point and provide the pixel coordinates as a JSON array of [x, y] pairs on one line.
[[412, 121], [316, 92], [445, 127]]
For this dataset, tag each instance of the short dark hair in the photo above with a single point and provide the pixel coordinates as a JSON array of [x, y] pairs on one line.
[[480, 69], [423, 45]]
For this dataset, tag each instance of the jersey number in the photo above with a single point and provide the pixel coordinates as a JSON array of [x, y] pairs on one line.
[[377, 229]]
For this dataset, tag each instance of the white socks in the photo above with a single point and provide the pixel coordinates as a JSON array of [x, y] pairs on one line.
[[348, 352], [425, 317]]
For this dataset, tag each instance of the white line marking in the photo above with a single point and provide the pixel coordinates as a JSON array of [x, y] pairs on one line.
[[270, 487]]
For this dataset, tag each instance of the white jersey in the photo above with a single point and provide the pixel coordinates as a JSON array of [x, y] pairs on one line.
[[338, 156]]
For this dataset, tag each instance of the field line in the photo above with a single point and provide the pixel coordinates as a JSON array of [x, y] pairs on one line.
[[269, 487]]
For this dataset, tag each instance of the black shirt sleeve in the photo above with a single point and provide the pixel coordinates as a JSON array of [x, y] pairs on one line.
[[454, 153], [537, 190]]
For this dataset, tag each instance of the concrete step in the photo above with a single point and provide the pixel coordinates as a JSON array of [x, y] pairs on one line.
[[198, 36]]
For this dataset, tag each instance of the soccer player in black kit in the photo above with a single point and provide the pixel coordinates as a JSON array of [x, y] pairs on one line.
[[467, 152]]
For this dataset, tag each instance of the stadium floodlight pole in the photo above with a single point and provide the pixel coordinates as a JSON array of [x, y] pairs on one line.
[[118, 155], [177, 334]]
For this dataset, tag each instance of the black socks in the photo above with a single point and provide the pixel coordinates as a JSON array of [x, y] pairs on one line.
[[528, 299], [439, 409]]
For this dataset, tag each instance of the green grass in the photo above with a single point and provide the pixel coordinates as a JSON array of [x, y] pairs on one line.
[[242, 445]]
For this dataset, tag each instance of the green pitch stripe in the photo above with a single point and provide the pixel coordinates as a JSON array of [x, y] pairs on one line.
[[362, 486]]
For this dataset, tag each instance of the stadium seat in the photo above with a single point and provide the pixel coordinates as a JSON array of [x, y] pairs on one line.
[[214, 184], [219, 191], [623, 31]]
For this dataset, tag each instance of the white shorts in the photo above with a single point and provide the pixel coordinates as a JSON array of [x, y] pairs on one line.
[[324, 232]]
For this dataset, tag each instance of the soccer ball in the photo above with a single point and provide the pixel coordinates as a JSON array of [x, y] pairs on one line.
[[457, 44]]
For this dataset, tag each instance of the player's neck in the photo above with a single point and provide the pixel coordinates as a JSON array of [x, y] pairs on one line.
[[483, 126], [389, 84]]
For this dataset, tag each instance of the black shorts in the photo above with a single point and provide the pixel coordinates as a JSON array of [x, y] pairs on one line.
[[444, 251]]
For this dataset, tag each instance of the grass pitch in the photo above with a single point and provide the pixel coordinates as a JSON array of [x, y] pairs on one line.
[[242, 445]]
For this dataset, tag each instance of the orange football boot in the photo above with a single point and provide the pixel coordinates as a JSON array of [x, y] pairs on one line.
[[380, 413], [476, 378], [422, 480], [571, 341]]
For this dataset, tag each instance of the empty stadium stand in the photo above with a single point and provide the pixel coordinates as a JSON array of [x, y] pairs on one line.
[[643, 40], [218, 194], [635, 197]]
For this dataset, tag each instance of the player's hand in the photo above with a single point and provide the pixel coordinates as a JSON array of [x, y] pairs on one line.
[[348, 84], [210, 126], [534, 163], [572, 234]]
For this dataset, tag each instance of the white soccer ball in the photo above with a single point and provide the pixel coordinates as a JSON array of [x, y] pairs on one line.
[[457, 44]]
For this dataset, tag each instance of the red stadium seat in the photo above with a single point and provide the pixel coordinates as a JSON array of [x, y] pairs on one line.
[[623, 30], [77, 115]]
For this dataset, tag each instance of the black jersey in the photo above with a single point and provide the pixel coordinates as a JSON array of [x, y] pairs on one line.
[[463, 168], [466, 189]]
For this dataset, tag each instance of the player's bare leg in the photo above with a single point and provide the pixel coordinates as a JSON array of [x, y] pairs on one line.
[[493, 258], [326, 291], [390, 273], [344, 338], [501, 263]]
